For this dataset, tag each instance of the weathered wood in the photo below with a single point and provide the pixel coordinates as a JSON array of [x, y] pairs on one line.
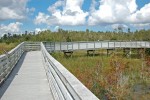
[[69, 85], [32, 46], [63, 84], [89, 45], [90, 52], [127, 52], [28, 80], [110, 51], [9, 60], [68, 53]]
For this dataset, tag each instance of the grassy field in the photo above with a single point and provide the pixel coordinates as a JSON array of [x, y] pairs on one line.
[[110, 78], [6, 47]]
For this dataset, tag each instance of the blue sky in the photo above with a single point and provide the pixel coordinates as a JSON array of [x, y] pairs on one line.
[[97, 15]]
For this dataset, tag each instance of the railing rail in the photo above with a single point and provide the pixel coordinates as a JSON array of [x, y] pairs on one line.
[[32, 46], [93, 45], [64, 85], [9, 60]]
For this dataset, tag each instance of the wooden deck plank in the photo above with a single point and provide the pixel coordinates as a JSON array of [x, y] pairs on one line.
[[28, 80]]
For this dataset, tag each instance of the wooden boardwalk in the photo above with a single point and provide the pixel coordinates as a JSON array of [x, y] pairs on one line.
[[38, 76], [28, 80]]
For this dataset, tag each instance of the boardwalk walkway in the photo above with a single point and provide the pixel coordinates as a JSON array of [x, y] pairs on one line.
[[28, 80]]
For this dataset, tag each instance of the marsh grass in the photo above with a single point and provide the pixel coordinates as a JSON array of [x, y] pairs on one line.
[[110, 78], [6, 47]]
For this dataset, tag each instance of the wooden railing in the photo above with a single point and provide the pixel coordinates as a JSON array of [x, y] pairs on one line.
[[9, 60], [93, 45], [63, 84], [32, 46]]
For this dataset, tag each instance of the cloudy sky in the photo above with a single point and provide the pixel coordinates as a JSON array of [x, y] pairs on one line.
[[99, 15]]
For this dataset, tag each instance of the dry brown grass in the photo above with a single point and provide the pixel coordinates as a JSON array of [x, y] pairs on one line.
[[113, 77]]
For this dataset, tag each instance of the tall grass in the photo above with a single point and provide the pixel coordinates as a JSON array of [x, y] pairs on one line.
[[114, 77], [6, 47]]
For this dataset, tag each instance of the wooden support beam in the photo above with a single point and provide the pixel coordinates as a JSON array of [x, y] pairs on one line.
[[90, 52], [68, 53], [142, 52], [127, 52], [110, 51]]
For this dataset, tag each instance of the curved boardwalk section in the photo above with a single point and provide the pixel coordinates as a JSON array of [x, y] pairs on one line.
[[28, 80]]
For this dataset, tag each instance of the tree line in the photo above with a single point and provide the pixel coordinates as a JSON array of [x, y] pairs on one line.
[[65, 35]]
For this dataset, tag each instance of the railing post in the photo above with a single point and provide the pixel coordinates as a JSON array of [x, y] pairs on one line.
[[86, 45], [108, 44], [94, 45], [8, 62], [72, 45], [59, 77], [78, 45], [54, 46], [120, 44], [60, 46], [67, 46]]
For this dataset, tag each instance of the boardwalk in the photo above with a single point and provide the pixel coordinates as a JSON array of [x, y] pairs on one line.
[[95, 45], [38, 76], [28, 81]]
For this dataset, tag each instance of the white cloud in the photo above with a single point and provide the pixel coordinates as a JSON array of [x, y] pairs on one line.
[[30, 10], [71, 14], [41, 18], [141, 16], [37, 30], [53, 8], [119, 11], [112, 11], [10, 28], [13, 9], [141, 25], [56, 28], [102, 12]]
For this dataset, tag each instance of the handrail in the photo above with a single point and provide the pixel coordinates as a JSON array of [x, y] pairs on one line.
[[9, 60], [93, 45], [65, 86], [32, 46]]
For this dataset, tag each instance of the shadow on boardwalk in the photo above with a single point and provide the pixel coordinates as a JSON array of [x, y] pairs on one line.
[[12, 75]]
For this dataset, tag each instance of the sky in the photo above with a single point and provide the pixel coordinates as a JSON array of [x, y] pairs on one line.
[[18, 16]]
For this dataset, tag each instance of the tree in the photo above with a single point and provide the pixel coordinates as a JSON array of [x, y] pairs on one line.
[[68, 39], [120, 29], [26, 32], [5, 36], [129, 30], [87, 30], [9, 34]]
